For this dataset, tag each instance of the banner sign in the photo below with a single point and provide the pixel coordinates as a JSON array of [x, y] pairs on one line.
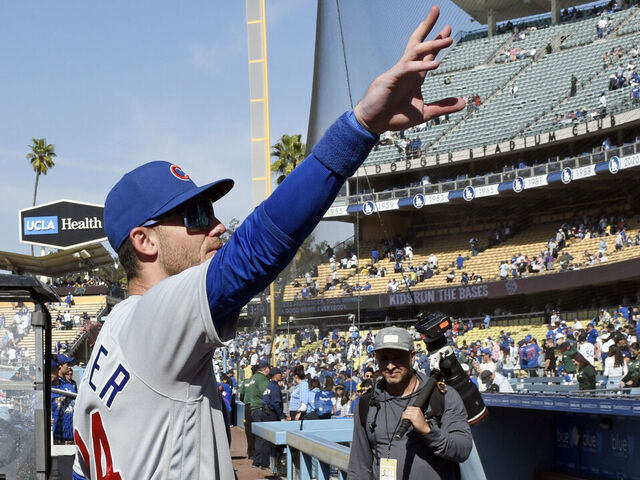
[[63, 224]]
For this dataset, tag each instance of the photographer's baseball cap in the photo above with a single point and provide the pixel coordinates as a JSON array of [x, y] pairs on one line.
[[274, 371], [395, 338], [148, 192]]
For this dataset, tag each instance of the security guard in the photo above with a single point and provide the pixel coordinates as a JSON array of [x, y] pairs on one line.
[[271, 412]]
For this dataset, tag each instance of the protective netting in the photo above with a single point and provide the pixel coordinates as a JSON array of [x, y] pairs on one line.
[[356, 40]]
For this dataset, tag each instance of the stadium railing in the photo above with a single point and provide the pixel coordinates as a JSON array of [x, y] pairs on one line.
[[494, 177], [318, 441]]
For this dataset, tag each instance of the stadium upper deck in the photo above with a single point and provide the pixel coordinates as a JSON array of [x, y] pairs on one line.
[[540, 63]]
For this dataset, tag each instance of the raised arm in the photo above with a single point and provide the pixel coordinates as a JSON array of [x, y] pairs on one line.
[[268, 239]]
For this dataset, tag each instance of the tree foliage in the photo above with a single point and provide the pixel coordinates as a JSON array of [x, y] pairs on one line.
[[288, 153]]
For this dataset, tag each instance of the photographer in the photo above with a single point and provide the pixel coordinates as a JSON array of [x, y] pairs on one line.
[[434, 446]]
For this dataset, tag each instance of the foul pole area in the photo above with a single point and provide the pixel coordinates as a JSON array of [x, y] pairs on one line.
[[259, 116]]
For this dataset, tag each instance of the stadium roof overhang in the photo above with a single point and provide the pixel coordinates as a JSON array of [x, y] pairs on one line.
[[57, 264], [510, 9]]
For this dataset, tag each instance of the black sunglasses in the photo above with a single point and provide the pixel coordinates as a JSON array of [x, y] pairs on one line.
[[197, 215]]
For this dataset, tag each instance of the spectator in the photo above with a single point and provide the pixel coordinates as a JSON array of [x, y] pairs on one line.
[[494, 379], [586, 373], [504, 270], [574, 86], [460, 261], [615, 368], [300, 396], [632, 378], [343, 402], [549, 358]]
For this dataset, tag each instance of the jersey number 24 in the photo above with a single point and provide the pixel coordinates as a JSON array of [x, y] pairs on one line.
[[100, 445]]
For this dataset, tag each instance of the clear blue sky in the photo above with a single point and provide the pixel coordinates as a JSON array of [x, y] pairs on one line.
[[116, 84]]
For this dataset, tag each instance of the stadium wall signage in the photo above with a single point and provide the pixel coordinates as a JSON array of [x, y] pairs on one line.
[[599, 275], [469, 193], [62, 224], [440, 295], [507, 146]]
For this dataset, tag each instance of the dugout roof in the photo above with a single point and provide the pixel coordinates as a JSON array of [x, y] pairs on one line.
[[504, 10], [59, 263]]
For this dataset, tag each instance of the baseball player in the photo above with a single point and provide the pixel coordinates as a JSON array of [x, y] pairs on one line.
[[148, 404]]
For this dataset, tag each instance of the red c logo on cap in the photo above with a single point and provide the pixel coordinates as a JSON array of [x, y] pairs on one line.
[[177, 172]]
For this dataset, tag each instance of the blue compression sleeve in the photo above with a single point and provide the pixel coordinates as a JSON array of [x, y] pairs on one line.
[[299, 203], [267, 240]]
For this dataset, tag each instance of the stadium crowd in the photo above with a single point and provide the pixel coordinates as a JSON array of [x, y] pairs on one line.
[[15, 330], [340, 360], [555, 254]]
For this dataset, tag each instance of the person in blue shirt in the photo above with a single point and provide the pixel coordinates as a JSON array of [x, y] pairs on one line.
[[531, 352], [375, 255], [300, 397], [349, 383], [314, 393], [66, 404], [272, 398], [226, 391], [460, 262]]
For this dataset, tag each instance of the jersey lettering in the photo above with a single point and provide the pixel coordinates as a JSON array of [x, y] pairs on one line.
[[83, 449], [100, 445], [96, 366], [115, 385]]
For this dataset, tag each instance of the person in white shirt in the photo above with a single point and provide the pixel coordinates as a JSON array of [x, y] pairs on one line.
[[488, 378], [586, 349], [408, 251], [614, 367], [433, 260]]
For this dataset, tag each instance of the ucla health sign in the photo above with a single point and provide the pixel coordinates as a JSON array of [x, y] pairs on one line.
[[62, 224]]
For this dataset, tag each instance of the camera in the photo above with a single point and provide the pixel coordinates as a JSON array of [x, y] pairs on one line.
[[443, 362]]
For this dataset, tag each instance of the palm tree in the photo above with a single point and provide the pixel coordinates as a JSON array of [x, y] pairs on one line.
[[288, 153], [41, 158]]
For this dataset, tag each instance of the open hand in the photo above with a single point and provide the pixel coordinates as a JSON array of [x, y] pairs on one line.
[[394, 100]]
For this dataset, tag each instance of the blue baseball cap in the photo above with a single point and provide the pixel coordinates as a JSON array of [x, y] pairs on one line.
[[62, 358], [527, 338], [486, 351], [148, 192]]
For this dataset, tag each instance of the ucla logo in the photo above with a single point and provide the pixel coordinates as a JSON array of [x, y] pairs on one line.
[[518, 185], [41, 225], [368, 208], [468, 193], [179, 173], [614, 165], [418, 201], [567, 176]]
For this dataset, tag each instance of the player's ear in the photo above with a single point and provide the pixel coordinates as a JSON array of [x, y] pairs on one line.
[[144, 240]]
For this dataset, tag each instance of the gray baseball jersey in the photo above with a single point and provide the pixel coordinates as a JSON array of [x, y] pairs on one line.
[[148, 404]]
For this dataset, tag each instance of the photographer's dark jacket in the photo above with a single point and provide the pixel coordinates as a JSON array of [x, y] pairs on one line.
[[419, 457]]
